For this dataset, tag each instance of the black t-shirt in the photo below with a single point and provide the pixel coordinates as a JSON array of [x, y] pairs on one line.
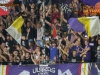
[[1, 40], [63, 60], [47, 51], [75, 59], [10, 44], [27, 61], [25, 43], [33, 33], [47, 27]]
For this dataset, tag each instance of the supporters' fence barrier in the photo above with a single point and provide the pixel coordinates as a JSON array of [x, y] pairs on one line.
[[62, 69]]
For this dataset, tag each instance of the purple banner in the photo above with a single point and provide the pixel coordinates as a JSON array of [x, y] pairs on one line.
[[21, 70], [62, 69], [69, 69], [90, 2], [33, 70], [95, 69]]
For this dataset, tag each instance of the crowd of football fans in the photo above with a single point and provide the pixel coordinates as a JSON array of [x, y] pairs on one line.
[[39, 43]]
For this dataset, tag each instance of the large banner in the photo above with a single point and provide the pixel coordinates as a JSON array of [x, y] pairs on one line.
[[62, 69], [33, 70]]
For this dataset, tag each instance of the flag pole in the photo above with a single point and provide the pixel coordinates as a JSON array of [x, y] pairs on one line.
[[44, 30]]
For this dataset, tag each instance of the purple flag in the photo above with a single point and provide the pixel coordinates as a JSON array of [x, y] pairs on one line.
[[76, 25], [95, 69], [21, 70], [90, 2], [69, 69]]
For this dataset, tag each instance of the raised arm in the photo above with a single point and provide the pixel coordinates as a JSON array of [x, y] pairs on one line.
[[25, 49], [48, 11], [3, 57], [2, 36], [33, 59], [63, 51], [48, 22]]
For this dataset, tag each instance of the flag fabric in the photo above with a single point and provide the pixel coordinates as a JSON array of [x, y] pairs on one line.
[[90, 2], [4, 70], [15, 29], [90, 24], [54, 32], [19, 70], [76, 25], [3, 9], [94, 70], [69, 69], [84, 69]]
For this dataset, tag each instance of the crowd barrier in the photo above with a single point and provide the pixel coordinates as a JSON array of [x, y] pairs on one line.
[[62, 69]]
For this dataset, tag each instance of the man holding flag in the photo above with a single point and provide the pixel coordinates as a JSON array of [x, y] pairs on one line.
[[15, 29]]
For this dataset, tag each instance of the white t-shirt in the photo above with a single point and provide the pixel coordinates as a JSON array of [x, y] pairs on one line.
[[40, 33]]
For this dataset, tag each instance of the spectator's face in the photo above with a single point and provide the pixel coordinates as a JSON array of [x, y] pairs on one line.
[[74, 53], [11, 57], [47, 58], [55, 21], [99, 42], [54, 6], [28, 24], [32, 11], [15, 53], [23, 37], [3, 44], [86, 42], [8, 37], [54, 58], [33, 5], [53, 44], [92, 38], [17, 47], [8, 18], [30, 44], [77, 43], [38, 48], [38, 25], [27, 55], [42, 57], [11, 38]]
